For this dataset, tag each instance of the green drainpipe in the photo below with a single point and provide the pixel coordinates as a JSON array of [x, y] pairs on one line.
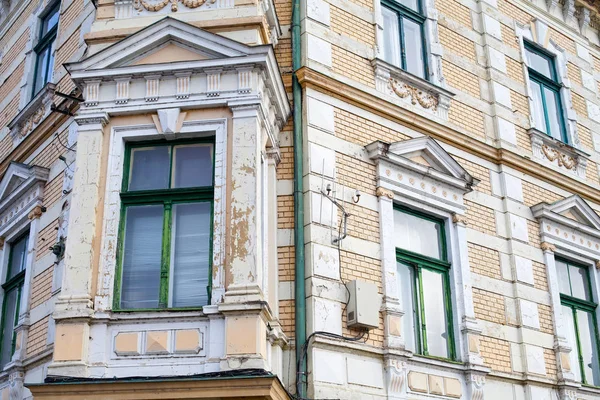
[[300, 294]]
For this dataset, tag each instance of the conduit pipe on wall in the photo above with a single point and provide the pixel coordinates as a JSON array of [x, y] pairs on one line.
[[299, 283]]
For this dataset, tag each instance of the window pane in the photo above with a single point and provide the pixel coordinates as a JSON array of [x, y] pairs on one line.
[[42, 69], [579, 282], [391, 37], [142, 257], [190, 254], [567, 315], [412, 4], [417, 234], [539, 63], [563, 277], [18, 253], [8, 326], [149, 168], [538, 107], [50, 21], [589, 347], [192, 166], [554, 110], [435, 313], [413, 43], [406, 282]]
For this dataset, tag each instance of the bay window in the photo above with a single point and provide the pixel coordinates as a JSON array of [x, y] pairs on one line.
[[423, 274], [579, 313], [404, 35], [165, 241], [545, 92], [12, 288]]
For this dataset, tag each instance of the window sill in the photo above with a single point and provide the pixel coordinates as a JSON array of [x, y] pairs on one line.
[[33, 114], [558, 153], [156, 314], [437, 362], [410, 89]]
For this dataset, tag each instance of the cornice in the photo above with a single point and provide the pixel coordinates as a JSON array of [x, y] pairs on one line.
[[426, 126]]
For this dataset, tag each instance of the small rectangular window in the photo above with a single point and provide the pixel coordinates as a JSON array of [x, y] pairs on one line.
[[579, 313], [12, 288], [166, 226], [424, 282], [404, 36], [44, 50], [545, 92]]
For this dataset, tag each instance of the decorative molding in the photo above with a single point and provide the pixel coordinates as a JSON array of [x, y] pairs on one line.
[[545, 246], [411, 89], [244, 80], [383, 192], [476, 383], [396, 371], [459, 219], [160, 4], [35, 213], [122, 90], [92, 119], [183, 86], [33, 114], [92, 90], [213, 83], [152, 88], [564, 156]]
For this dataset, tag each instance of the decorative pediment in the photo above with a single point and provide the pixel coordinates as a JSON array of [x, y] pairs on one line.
[[570, 223], [420, 168], [21, 190], [196, 66]]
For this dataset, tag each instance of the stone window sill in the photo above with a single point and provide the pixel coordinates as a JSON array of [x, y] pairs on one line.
[[410, 89], [558, 153]]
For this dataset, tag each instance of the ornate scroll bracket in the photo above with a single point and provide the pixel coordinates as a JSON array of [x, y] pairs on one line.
[[560, 154], [411, 89]]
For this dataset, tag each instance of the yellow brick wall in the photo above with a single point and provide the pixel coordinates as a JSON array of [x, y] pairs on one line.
[[359, 130], [534, 233], [540, 277], [523, 139], [510, 10], [69, 15], [286, 317], [484, 261], [574, 74], [489, 306], [12, 81], [514, 70], [467, 118], [533, 194], [460, 79], [479, 172], [41, 287], [285, 260], [550, 359], [22, 20], [285, 169], [545, 314], [520, 103], [579, 104], [352, 66], [356, 174], [362, 223], [15, 51], [38, 336], [480, 218], [456, 43], [349, 25], [495, 353], [285, 212], [508, 36], [53, 191], [46, 237], [454, 11]]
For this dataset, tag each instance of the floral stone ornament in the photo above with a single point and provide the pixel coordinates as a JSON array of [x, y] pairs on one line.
[[150, 6]]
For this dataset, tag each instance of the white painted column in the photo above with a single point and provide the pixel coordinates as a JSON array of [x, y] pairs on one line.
[[392, 306], [244, 280]]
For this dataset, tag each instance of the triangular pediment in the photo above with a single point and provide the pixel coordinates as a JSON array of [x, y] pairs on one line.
[[18, 178], [423, 154], [170, 37], [572, 208]]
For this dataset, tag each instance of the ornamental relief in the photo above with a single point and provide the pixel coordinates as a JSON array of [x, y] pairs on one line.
[[156, 5], [424, 99]]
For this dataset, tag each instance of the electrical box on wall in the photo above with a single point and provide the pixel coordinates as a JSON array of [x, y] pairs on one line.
[[364, 304]]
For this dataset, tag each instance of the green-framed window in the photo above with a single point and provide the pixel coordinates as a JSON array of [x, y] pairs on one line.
[[579, 313], [12, 288], [404, 35], [424, 283], [545, 91], [44, 50], [165, 237]]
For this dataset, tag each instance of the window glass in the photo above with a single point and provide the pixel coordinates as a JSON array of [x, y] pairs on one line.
[[391, 43], [191, 254], [435, 315], [50, 21], [412, 4], [554, 113], [150, 168], [417, 234], [567, 315], [539, 63], [562, 270], [538, 107], [580, 285], [142, 258], [406, 283], [43, 67], [413, 43], [589, 347], [8, 325], [192, 165], [18, 256]]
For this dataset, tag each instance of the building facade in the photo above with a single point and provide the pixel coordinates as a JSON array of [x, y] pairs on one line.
[[161, 160]]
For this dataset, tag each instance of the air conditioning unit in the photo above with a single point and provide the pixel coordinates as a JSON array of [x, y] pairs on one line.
[[363, 307]]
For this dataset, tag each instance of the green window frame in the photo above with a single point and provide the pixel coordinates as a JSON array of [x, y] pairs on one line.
[[578, 307], [546, 89], [169, 198], [408, 13], [13, 286], [420, 265], [44, 50]]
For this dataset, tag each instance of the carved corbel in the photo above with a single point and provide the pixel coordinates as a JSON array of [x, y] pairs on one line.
[[2, 239], [35, 213], [475, 383], [383, 192], [569, 11], [459, 219], [396, 372], [545, 246], [585, 18]]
